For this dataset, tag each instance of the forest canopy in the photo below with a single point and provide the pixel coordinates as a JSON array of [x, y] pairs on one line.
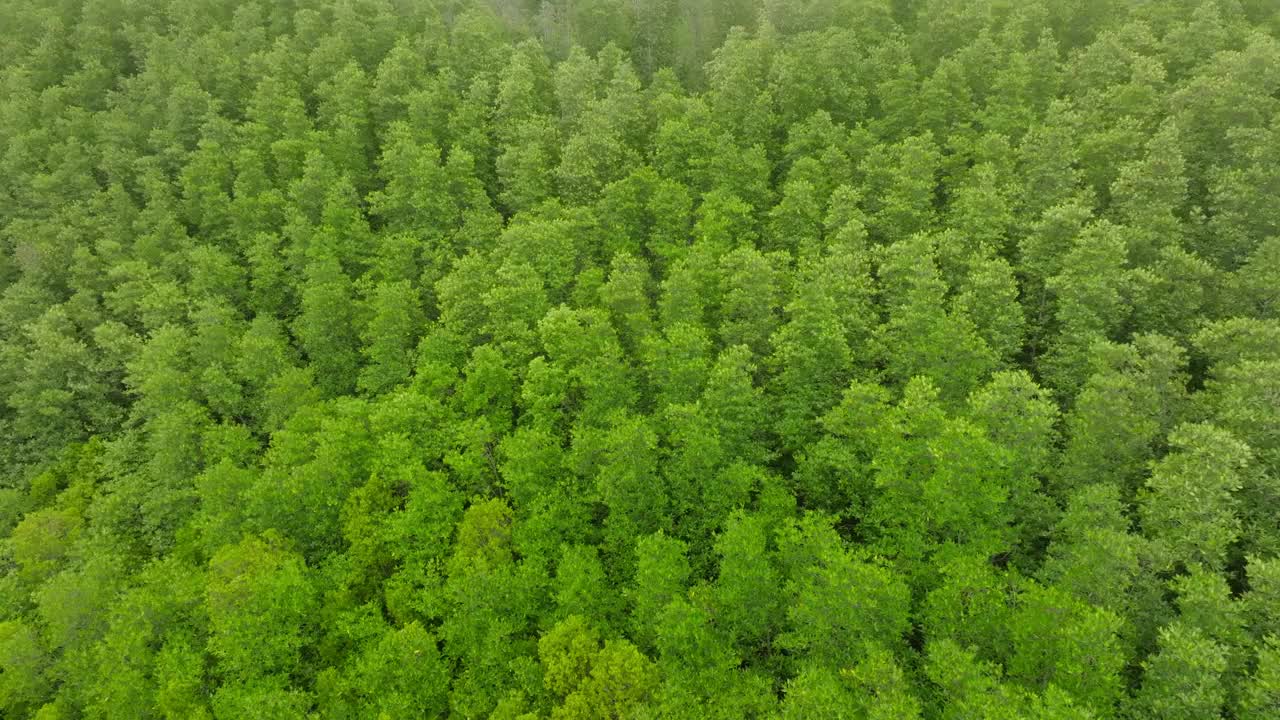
[[795, 359]]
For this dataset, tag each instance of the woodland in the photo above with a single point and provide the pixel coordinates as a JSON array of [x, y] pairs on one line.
[[576, 359]]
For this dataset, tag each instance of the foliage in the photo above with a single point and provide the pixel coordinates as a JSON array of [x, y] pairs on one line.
[[646, 359]]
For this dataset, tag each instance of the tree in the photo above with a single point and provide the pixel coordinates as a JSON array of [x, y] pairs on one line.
[[489, 600], [1136, 395], [1240, 219], [566, 651], [840, 604], [418, 537], [621, 681], [1092, 554], [321, 455], [749, 309], [327, 327], [1189, 503], [1262, 694], [584, 345], [988, 295], [735, 406], [678, 364], [1239, 397], [810, 361], [592, 158], [721, 221], [835, 473], [390, 338], [1173, 272], [920, 454], [344, 113], [1060, 641], [579, 577], [904, 180], [662, 571], [591, 681], [971, 605], [1205, 603], [1090, 302], [671, 208], [524, 165], [260, 698], [1184, 678], [881, 686], [515, 301], [1264, 586], [259, 600], [24, 661], [921, 338], [814, 694], [1042, 252], [1049, 156], [694, 655], [1150, 193], [652, 23], [795, 223], [402, 674], [626, 294], [60, 395], [970, 686], [181, 683], [1254, 284], [142, 656], [1019, 416], [413, 199], [629, 484], [747, 589]]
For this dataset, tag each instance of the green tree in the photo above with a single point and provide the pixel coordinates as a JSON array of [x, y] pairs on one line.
[[1262, 693], [626, 295], [1093, 554], [524, 165], [1184, 678], [621, 681], [1136, 395], [629, 484], [904, 181], [413, 199], [810, 362], [579, 577], [921, 338], [391, 336], [747, 589], [489, 600], [259, 600], [678, 364], [735, 406], [841, 603], [1090, 302], [25, 661], [1189, 503], [662, 571], [749, 309], [327, 326], [402, 674], [1060, 641]]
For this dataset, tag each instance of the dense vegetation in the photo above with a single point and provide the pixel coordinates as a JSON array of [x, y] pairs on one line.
[[640, 359]]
